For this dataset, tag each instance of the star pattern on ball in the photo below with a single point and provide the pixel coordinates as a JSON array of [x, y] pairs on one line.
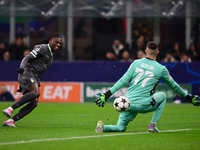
[[123, 109], [123, 100], [116, 104]]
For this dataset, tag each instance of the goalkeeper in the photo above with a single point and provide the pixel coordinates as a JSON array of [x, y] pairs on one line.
[[144, 75]]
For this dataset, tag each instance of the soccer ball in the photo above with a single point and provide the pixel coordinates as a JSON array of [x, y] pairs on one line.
[[121, 104]]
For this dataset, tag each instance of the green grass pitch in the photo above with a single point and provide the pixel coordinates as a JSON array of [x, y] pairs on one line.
[[71, 126]]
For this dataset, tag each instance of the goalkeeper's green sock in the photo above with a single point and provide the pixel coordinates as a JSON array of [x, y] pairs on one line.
[[158, 112], [114, 128]]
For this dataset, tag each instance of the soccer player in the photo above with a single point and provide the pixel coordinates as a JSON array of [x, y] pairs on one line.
[[144, 75], [31, 69]]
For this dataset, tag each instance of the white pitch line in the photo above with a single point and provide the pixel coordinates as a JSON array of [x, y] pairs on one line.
[[84, 137]]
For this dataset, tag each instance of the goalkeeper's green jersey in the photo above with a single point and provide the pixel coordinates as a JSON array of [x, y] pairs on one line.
[[144, 75]]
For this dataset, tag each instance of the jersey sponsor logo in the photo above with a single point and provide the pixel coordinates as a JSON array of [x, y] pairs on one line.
[[45, 65], [147, 66]]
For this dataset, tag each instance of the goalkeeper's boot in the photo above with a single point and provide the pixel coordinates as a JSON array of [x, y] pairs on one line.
[[7, 112], [9, 124], [153, 129], [99, 128]]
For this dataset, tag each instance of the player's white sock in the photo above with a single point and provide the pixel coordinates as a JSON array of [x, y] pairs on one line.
[[10, 108], [10, 120]]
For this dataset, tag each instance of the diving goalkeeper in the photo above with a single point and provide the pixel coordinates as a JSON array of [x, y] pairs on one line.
[[144, 75]]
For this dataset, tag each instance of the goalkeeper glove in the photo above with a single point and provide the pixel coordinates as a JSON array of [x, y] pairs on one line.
[[20, 70], [194, 99], [102, 98]]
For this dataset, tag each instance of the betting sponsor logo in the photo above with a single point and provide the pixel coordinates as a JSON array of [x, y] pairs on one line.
[[90, 91]]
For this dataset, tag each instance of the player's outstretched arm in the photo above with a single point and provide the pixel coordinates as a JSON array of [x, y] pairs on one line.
[[194, 99], [101, 100]]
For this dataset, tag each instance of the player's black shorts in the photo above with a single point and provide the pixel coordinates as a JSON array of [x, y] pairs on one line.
[[27, 78]]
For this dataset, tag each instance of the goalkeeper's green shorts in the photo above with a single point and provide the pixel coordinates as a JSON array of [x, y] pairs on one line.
[[144, 107]]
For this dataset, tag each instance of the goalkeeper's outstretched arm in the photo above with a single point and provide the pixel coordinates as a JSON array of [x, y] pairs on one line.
[[194, 99], [101, 100]]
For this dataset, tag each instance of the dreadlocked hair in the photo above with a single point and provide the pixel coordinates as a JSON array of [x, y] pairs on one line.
[[46, 41]]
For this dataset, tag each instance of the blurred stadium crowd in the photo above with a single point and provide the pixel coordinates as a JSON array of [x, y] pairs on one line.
[[15, 51], [174, 53], [103, 39], [118, 51], [99, 28]]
